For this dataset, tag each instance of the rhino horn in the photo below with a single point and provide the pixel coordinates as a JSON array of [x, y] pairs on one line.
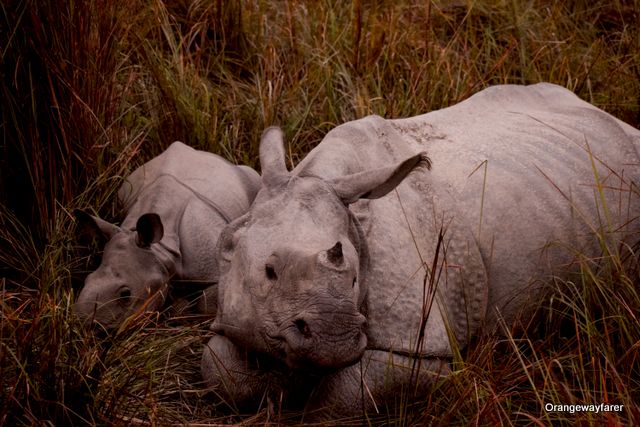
[[272, 157], [149, 230], [376, 183]]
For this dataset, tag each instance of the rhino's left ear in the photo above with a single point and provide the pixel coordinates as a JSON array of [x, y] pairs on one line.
[[149, 230], [373, 184], [95, 227], [272, 157]]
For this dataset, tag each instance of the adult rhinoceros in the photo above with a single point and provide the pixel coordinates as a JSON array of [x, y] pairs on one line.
[[176, 206], [395, 240]]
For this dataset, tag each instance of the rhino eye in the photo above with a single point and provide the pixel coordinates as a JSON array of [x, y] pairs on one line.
[[124, 294], [270, 272]]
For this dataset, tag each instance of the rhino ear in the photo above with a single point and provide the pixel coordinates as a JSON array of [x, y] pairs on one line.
[[149, 230], [373, 184], [272, 157], [95, 227]]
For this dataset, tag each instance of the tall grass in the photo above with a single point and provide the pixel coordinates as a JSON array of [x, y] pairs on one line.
[[92, 89]]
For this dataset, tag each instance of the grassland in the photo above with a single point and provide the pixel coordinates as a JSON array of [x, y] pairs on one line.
[[91, 89]]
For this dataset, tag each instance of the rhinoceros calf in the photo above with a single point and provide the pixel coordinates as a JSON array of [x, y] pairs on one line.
[[176, 206], [353, 277]]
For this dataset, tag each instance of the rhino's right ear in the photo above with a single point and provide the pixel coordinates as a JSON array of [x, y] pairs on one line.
[[272, 157], [376, 183], [95, 227]]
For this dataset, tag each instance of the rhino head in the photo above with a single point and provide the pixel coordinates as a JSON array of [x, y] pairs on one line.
[[133, 275], [292, 269]]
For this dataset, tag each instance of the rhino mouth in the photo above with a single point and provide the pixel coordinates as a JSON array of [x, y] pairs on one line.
[[303, 349]]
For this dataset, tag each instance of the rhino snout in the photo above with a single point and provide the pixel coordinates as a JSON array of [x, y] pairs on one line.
[[304, 330], [303, 327], [103, 305], [85, 311], [91, 310], [324, 341]]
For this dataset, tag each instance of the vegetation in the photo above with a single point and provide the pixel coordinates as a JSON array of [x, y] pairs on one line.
[[90, 89]]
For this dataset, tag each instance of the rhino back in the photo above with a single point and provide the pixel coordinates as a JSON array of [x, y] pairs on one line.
[[207, 175], [535, 171]]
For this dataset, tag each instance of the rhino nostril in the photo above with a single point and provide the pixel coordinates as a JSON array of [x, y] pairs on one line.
[[303, 328]]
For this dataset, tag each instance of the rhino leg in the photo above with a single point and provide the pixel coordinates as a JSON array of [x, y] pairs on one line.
[[244, 380], [228, 372], [380, 376]]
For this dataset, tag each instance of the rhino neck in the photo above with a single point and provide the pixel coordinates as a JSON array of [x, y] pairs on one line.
[[357, 237], [168, 255], [425, 276]]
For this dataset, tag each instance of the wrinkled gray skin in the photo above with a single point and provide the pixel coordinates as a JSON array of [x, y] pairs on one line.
[[176, 206], [324, 277]]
